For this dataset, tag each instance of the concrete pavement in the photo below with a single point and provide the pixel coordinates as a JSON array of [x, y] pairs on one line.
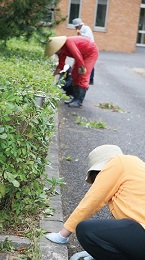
[[115, 82]]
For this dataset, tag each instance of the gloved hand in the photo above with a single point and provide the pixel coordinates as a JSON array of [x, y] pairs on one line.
[[82, 70], [57, 238], [83, 255]]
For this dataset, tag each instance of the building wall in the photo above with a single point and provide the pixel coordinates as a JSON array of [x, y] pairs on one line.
[[121, 29]]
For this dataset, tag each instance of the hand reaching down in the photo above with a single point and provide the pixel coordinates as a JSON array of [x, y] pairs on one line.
[[57, 238], [81, 255]]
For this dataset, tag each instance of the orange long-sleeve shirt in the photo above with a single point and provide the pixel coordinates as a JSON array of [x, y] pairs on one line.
[[121, 184]]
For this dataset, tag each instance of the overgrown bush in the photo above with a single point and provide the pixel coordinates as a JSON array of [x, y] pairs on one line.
[[25, 129]]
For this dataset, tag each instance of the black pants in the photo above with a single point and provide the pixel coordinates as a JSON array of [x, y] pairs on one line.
[[92, 74], [111, 239]]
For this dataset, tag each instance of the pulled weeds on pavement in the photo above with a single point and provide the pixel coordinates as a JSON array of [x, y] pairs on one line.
[[90, 124], [110, 106]]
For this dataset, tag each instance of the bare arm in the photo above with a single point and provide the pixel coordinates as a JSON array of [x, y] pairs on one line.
[[56, 72], [64, 232]]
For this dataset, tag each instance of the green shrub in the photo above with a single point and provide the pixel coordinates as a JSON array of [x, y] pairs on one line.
[[25, 128]]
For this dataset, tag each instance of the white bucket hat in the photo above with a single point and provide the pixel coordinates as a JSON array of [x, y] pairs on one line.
[[54, 44], [99, 157], [77, 22]]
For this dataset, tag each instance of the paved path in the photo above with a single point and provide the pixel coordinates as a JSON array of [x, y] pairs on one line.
[[116, 82]]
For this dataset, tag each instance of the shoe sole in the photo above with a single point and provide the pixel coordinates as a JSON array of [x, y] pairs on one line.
[[75, 106]]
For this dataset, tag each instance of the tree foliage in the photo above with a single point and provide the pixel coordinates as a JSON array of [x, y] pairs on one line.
[[24, 17]]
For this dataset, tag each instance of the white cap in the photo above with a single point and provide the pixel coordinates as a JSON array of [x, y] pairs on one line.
[[77, 22], [99, 157]]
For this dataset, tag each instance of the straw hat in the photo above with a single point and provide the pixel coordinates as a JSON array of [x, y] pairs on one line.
[[99, 157], [54, 44], [77, 22]]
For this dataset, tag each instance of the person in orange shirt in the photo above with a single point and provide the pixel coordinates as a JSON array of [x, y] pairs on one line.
[[118, 180]]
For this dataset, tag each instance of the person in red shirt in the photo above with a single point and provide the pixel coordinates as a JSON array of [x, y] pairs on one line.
[[85, 53]]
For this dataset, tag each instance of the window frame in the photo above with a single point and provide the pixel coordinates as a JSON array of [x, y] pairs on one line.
[[99, 28], [142, 32], [70, 25]]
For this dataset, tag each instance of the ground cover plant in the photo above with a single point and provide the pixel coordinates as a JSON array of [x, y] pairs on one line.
[[25, 134], [110, 106], [90, 124]]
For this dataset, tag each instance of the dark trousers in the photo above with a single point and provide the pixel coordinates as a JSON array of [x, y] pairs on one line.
[[92, 74], [112, 239]]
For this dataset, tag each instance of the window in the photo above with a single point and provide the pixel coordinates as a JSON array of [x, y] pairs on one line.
[[101, 13], [141, 27], [74, 10]]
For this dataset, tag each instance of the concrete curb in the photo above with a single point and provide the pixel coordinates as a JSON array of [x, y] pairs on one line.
[[17, 241], [48, 249]]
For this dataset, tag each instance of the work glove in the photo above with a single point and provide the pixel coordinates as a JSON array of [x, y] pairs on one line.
[[82, 70], [57, 238], [81, 255]]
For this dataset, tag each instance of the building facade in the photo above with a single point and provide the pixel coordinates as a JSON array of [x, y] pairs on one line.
[[117, 25]]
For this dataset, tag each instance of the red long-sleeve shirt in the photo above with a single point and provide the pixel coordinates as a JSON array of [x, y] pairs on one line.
[[85, 53], [79, 48]]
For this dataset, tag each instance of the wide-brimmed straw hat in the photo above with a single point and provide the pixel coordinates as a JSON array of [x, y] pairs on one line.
[[54, 44], [77, 22], [99, 157]]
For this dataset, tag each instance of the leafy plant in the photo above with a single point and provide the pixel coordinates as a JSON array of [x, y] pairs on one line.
[[33, 251], [6, 245], [110, 106], [25, 130], [69, 158], [88, 124], [51, 189]]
